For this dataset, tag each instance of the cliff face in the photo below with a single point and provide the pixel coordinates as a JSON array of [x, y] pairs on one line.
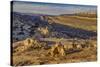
[[27, 25], [35, 25]]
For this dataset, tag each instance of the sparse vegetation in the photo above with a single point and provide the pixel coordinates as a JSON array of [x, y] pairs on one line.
[[56, 53], [54, 39]]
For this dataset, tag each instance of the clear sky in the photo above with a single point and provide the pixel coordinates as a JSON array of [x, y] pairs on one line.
[[51, 9]]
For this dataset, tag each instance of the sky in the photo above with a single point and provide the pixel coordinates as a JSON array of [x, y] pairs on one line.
[[51, 8]]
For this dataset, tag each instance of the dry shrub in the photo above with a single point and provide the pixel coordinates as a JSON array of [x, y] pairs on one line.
[[57, 49], [81, 44], [27, 44], [68, 46], [72, 45], [44, 31], [85, 44]]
